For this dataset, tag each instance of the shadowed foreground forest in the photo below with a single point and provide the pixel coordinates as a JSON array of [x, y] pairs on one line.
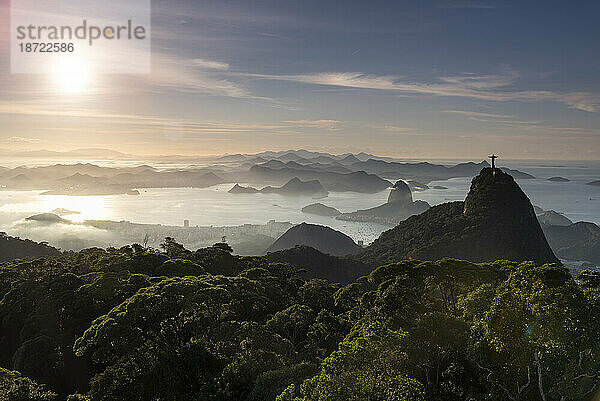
[[173, 324]]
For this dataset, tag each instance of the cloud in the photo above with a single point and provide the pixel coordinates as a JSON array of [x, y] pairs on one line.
[[329, 125], [208, 64], [170, 73], [21, 139], [490, 117], [138, 123], [392, 128], [476, 114], [509, 121], [494, 87], [482, 82], [192, 76]]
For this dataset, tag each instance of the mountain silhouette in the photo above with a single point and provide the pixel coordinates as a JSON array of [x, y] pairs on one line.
[[324, 239], [496, 221]]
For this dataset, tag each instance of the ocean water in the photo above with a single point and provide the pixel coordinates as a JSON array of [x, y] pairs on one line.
[[212, 206], [215, 206]]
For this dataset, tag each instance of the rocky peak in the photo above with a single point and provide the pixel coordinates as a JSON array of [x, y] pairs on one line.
[[496, 221], [400, 193], [495, 193]]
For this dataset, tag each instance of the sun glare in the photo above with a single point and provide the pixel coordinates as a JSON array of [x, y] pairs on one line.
[[72, 74], [88, 207]]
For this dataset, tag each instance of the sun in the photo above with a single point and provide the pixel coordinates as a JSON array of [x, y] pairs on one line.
[[72, 74]]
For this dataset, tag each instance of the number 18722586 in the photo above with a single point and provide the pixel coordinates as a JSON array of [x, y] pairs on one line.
[[46, 47]]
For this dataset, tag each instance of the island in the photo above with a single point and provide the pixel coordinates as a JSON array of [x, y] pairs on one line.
[[238, 189], [320, 209], [399, 207], [61, 211]]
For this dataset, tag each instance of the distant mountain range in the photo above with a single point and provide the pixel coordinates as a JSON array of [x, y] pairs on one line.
[[90, 179], [363, 173], [294, 187], [295, 155], [358, 181]]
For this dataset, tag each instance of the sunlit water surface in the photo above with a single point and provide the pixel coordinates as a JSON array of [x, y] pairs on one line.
[[215, 206]]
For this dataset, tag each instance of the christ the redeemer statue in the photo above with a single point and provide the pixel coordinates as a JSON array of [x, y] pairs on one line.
[[493, 157]]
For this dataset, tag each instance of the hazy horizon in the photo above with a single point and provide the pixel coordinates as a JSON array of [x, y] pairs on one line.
[[433, 80], [46, 157]]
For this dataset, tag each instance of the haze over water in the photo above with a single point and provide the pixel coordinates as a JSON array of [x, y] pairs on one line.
[[214, 206]]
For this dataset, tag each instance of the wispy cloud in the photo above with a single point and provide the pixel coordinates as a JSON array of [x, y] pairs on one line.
[[133, 123], [393, 128], [494, 87], [209, 64], [508, 121], [329, 125], [193, 76], [20, 139], [490, 117]]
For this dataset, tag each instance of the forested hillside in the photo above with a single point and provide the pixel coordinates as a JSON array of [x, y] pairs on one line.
[[13, 248], [496, 221], [174, 324]]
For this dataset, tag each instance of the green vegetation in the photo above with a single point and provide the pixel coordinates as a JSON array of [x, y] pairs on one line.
[[14, 248], [173, 324]]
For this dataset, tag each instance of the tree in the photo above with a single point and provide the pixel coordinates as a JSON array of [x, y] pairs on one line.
[[14, 387], [175, 250], [369, 365], [186, 338], [537, 336], [224, 246]]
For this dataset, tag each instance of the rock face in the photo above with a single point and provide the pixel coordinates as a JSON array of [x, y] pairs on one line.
[[400, 193], [496, 221], [320, 209], [324, 239]]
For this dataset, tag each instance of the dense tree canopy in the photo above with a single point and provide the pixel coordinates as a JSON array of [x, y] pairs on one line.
[[173, 324]]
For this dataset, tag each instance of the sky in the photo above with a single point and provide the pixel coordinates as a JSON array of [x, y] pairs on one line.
[[426, 79]]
